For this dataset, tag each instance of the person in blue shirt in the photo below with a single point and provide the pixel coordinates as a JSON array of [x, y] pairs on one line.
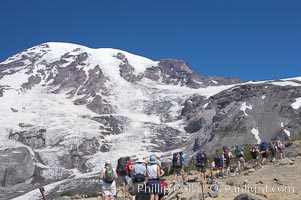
[[179, 169]]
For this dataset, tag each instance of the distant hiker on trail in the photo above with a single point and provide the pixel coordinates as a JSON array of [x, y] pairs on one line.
[[254, 150], [153, 172], [108, 185], [264, 152], [239, 151], [138, 176], [124, 167], [201, 162], [219, 163], [227, 159], [178, 163], [280, 149], [272, 149]]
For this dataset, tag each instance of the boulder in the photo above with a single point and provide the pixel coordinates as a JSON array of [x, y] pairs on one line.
[[16, 163], [285, 161], [251, 170]]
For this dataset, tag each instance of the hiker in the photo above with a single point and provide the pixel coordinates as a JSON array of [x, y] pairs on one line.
[[272, 148], [178, 163], [264, 152], [138, 176], [108, 185], [280, 149], [227, 154], [219, 163], [254, 150], [153, 172], [239, 151], [201, 162], [124, 167]]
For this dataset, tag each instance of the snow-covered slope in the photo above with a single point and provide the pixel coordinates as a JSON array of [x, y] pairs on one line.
[[75, 107]]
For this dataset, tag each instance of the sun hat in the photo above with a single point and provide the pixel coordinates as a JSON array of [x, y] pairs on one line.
[[152, 159], [108, 162]]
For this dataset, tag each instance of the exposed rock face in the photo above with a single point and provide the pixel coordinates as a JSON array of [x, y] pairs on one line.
[[126, 70], [32, 138], [167, 138], [112, 124], [16, 164], [235, 116], [178, 72]]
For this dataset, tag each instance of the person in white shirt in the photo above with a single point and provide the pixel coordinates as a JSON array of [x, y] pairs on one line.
[[154, 173], [108, 176]]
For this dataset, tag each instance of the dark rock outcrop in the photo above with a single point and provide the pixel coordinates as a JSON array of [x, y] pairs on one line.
[[16, 165]]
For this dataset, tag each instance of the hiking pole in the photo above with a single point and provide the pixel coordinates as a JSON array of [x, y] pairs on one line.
[[42, 190]]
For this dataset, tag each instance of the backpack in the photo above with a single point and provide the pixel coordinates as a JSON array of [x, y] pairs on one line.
[[109, 175], [176, 160], [272, 147], [226, 155], [264, 146], [280, 147], [253, 148], [238, 151], [201, 158], [139, 178], [219, 160], [122, 165]]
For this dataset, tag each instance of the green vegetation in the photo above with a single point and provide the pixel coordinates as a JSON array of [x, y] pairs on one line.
[[288, 144], [93, 194], [226, 131], [66, 193], [167, 171]]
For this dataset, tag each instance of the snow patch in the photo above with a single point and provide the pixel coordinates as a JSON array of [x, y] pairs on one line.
[[297, 104], [198, 82], [255, 132], [244, 107], [282, 124], [263, 96], [215, 82], [287, 132], [286, 83]]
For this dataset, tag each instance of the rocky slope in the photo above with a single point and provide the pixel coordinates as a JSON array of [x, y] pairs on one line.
[[245, 114], [68, 108]]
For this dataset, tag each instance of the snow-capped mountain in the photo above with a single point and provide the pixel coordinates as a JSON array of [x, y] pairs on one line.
[[66, 108]]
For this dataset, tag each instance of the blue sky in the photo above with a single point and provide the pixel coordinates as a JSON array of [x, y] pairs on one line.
[[251, 40]]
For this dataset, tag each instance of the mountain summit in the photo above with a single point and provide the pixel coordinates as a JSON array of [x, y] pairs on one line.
[[66, 108]]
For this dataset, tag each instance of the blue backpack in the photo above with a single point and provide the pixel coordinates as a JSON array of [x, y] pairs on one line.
[[238, 150], [201, 158], [264, 146], [219, 160], [176, 159]]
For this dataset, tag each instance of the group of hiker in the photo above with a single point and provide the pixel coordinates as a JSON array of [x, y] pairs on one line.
[[222, 160], [149, 172], [134, 173]]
